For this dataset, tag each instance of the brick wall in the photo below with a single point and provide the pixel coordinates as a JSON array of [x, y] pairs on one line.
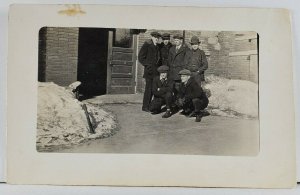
[[218, 46], [61, 55]]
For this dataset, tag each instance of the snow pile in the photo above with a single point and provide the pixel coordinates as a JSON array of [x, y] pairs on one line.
[[62, 121], [232, 97]]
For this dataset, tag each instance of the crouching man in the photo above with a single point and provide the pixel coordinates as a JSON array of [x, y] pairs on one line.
[[162, 89], [192, 98]]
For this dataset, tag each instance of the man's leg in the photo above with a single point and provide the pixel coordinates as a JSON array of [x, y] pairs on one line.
[[168, 99], [147, 95], [155, 105], [199, 105], [187, 108]]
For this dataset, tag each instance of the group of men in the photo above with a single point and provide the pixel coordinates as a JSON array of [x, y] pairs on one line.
[[173, 75]]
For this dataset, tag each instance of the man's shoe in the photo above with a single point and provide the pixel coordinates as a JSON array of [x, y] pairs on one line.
[[145, 110], [205, 113], [155, 112], [185, 112], [192, 114], [198, 118], [167, 114]]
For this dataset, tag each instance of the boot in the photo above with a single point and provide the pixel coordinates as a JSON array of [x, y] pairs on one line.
[[145, 109], [198, 118], [167, 114]]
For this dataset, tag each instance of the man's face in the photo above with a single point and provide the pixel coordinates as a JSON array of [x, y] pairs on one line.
[[184, 78], [154, 39], [195, 46], [164, 75], [177, 42], [166, 42], [159, 40]]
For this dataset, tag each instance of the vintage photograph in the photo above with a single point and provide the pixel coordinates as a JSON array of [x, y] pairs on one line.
[[148, 91]]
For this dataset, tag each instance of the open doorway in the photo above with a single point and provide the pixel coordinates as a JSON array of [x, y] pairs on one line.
[[92, 61]]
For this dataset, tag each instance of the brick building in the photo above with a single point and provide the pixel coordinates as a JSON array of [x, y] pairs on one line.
[[106, 59]]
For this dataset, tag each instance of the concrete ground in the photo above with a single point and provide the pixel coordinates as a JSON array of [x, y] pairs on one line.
[[143, 133]]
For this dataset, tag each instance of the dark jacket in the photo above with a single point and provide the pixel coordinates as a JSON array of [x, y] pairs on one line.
[[149, 57], [176, 61], [195, 60], [191, 90], [165, 87], [164, 53]]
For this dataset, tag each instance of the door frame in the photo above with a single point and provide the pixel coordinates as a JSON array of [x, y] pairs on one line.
[[109, 59]]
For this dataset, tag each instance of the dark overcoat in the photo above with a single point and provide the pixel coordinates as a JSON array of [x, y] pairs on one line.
[[149, 57], [164, 53], [191, 90], [176, 61], [165, 87], [195, 60]]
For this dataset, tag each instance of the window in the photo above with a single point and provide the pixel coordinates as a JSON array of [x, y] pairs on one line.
[[122, 38]]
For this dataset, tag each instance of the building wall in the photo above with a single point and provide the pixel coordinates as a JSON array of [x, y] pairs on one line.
[[59, 59], [222, 51], [61, 55]]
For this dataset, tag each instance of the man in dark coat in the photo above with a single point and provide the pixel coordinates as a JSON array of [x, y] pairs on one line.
[[195, 60], [192, 99], [176, 57], [149, 57], [162, 89], [165, 48]]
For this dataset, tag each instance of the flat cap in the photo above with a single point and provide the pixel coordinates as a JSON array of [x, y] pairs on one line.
[[184, 72], [165, 36], [163, 69], [155, 34], [178, 36]]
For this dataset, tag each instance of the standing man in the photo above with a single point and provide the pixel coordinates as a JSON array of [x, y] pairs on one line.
[[165, 48], [162, 89], [149, 57], [195, 60], [192, 99], [176, 57]]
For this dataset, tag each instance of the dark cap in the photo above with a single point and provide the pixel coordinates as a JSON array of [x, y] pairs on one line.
[[163, 69], [184, 72], [155, 34], [178, 36], [195, 40], [165, 36]]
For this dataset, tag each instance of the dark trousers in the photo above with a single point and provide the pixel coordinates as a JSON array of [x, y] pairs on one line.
[[159, 101], [196, 104], [148, 93]]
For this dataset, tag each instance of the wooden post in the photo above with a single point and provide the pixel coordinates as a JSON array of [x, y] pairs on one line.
[[109, 58]]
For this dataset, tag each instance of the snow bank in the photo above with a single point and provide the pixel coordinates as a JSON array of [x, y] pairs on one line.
[[232, 97], [61, 120]]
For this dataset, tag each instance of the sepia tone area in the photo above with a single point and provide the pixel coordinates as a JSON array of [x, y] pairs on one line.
[[91, 89]]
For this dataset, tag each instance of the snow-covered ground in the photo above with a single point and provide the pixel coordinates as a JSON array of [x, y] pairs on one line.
[[62, 120], [234, 98]]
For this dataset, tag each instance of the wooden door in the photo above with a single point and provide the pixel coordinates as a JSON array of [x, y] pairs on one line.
[[121, 67]]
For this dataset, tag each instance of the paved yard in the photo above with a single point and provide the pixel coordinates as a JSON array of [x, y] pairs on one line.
[[142, 132]]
